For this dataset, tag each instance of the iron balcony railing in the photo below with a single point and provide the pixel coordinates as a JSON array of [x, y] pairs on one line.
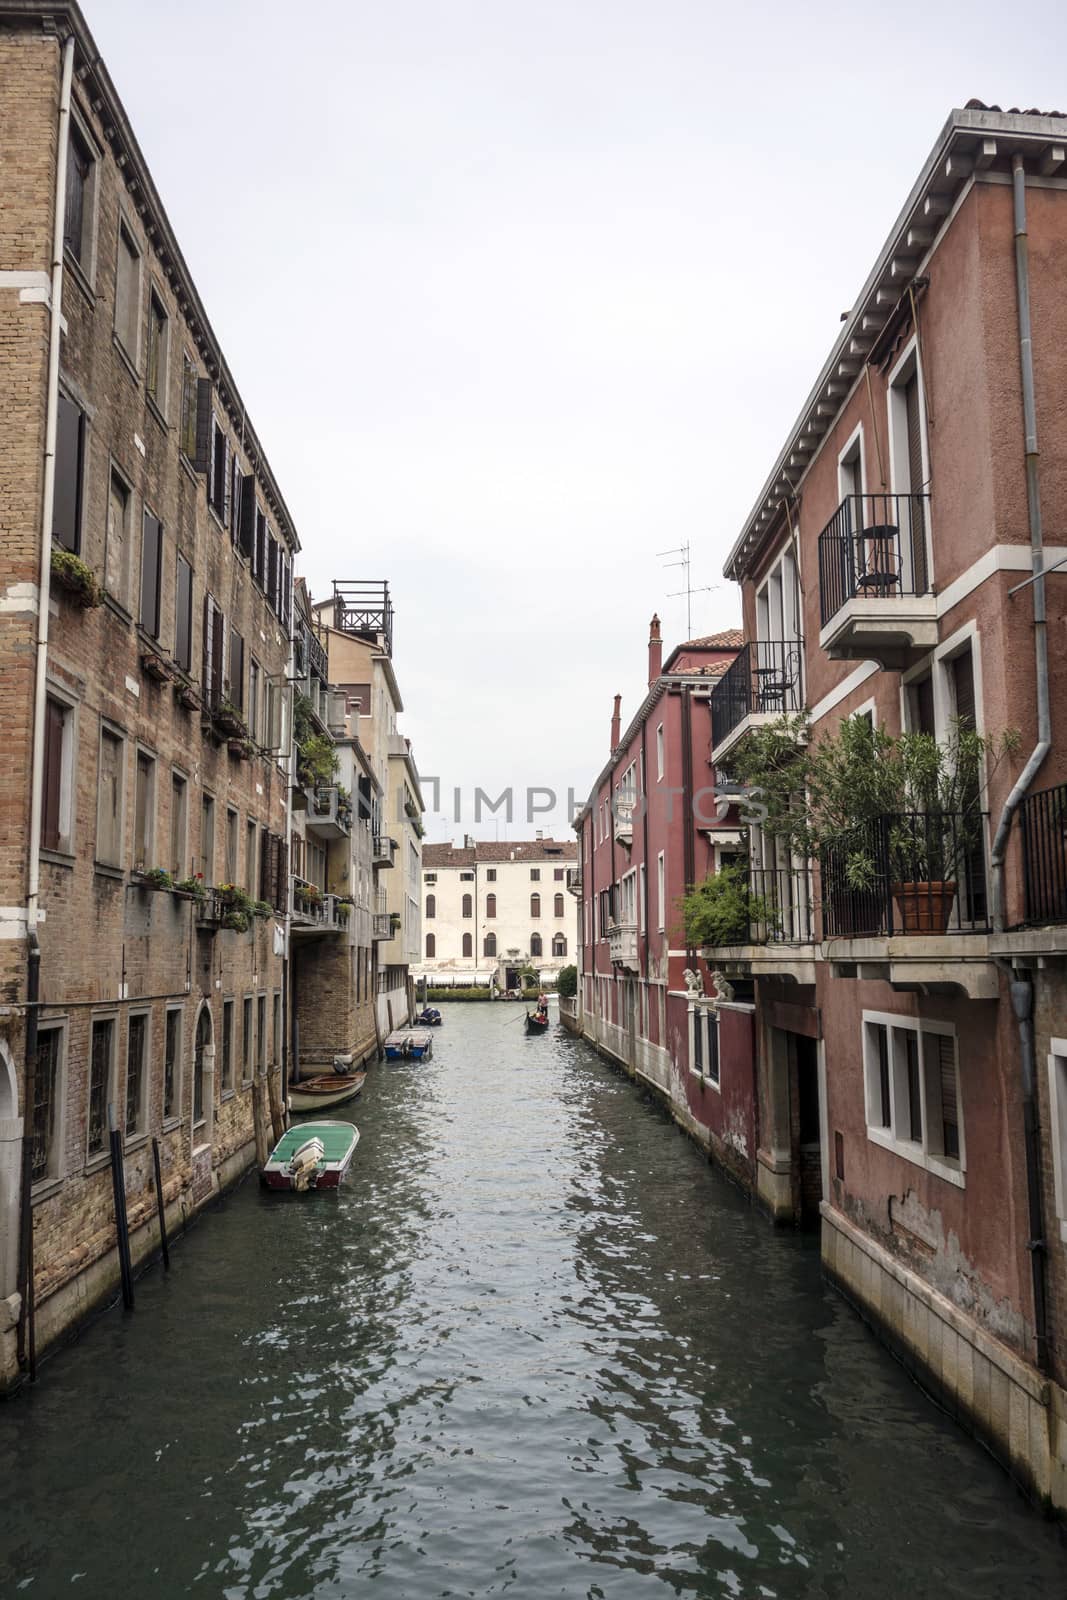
[[910, 873], [873, 548], [764, 676], [1044, 826], [310, 656], [780, 905], [365, 609]]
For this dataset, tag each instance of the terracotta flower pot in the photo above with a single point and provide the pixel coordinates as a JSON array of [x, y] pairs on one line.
[[924, 907]]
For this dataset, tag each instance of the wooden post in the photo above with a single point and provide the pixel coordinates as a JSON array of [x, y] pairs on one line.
[[277, 1110], [122, 1226], [163, 1244], [259, 1116]]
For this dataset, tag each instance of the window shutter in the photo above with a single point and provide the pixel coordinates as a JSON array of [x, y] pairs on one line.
[[202, 461], [915, 479], [963, 683], [283, 875], [218, 654], [272, 573], [53, 774], [209, 645], [151, 552], [266, 882], [246, 517]]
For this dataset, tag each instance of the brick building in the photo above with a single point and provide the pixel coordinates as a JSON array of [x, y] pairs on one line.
[[144, 655], [893, 569], [651, 828], [491, 907]]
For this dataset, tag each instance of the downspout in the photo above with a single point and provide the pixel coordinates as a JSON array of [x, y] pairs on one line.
[[27, 1354], [1022, 994], [1037, 551]]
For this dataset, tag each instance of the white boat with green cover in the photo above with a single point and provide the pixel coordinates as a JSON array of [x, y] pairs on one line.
[[311, 1155]]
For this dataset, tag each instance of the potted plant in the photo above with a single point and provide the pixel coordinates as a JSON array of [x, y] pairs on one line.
[[262, 908], [316, 760], [241, 749], [155, 878], [78, 580], [236, 921], [233, 898], [191, 888], [229, 720], [722, 911]]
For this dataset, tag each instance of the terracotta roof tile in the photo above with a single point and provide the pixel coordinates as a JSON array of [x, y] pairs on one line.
[[488, 852], [730, 639]]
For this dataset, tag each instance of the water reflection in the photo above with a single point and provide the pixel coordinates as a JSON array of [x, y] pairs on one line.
[[536, 1347]]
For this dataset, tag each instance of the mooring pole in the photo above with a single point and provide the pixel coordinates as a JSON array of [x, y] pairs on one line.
[[122, 1227], [163, 1245]]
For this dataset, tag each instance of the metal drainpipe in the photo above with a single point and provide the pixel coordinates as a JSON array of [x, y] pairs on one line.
[[1022, 1000], [26, 1342], [1037, 551]]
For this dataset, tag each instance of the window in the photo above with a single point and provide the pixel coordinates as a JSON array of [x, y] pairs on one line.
[[190, 391], [201, 1044], [219, 483], [226, 1067], [557, 905], [661, 892], [431, 905], [151, 559], [136, 1057], [660, 754], [207, 838], [468, 945], [489, 945], [1057, 1083], [179, 823], [232, 823], [235, 678], [536, 946], [490, 874], [535, 905], [247, 1043], [156, 375], [183, 615], [559, 945], [144, 812], [253, 698], [69, 470], [56, 818], [466, 877], [78, 211], [429, 877], [128, 292], [277, 1034], [271, 575], [259, 549], [251, 857], [261, 1032], [490, 905], [100, 1057], [172, 1065], [535, 874], [468, 906], [704, 1043], [117, 547], [214, 648], [109, 813], [558, 874], [47, 1104], [641, 897], [912, 1091], [431, 946]]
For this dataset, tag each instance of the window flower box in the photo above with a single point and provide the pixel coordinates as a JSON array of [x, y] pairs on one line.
[[155, 667], [154, 878], [186, 696], [71, 574]]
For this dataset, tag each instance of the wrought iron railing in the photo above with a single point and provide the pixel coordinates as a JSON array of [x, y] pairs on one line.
[[873, 548], [364, 608], [764, 676], [1044, 830], [780, 905], [910, 873]]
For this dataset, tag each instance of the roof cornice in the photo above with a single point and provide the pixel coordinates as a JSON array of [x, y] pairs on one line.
[[691, 680], [971, 142]]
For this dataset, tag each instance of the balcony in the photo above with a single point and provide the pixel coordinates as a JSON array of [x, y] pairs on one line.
[[315, 912], [1044, 832], [574, 880], [778, 941], [906, 902], [624, 822], [364, 609], [622, 945], [329, 813], [875, 601], [384, 850], [382, 920], [762, 683]]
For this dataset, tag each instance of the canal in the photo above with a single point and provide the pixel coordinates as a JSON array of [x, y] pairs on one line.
[[536, 1347]]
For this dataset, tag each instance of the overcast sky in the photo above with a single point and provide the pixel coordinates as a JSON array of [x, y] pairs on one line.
[[519, 295]]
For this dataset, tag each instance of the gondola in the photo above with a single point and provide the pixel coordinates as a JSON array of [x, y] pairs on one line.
[[536, 1024]]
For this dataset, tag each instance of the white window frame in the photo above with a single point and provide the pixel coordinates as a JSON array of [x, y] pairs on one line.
[[661, 891], [86, 268], [919, 1153], [1057, 1089], [152, 805], [908, 363], [703, 1015], [641, 896], [661, 753], [57, 1165], [125, 226], [855, 447], [112, 731]]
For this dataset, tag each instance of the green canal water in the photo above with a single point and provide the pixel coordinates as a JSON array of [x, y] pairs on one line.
[[536, 1347]]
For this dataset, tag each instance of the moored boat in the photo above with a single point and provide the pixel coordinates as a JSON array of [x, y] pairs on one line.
[[409, 1044], [311, 1155], [429, 1017], [328, 1089]]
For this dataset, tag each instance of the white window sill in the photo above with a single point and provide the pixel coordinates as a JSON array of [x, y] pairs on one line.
[[918, 1157], [702, 1077]]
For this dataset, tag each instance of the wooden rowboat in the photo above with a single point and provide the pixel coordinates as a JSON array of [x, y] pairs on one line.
[[328, 1089], [536, 1024], [311, 1155]]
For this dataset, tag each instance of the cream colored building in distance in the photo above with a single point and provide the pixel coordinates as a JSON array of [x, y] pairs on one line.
[[491, 907]]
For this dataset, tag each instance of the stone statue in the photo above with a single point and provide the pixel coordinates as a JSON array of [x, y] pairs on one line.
[[694, 983], [724, 990]]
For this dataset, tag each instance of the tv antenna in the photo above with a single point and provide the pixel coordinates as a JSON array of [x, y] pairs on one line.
[[704, 588]]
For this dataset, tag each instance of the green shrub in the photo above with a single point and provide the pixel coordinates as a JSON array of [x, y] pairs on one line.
[[567, 983], [471, 992], [721, 910]]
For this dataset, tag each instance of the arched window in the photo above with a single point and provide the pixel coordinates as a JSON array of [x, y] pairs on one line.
[[468, 945], [431, 905], [490, 945], [559, 945], [557, 905], [535, 944], [431, 945], [535, 905], [468, 906], [490, 905]]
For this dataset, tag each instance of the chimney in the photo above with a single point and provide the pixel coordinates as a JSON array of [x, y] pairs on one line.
[[616, 723], [655, 651]]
